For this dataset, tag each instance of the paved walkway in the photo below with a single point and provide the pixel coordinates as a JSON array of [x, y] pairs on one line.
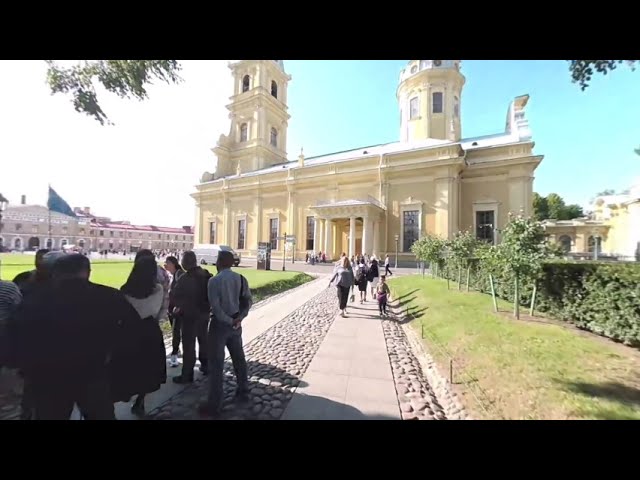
[[350, 376]]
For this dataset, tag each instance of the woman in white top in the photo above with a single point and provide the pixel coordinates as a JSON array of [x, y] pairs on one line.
[[146, 295]]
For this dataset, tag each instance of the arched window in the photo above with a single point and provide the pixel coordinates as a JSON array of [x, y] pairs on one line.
[[17, 243], [81, 243], [49, 243], [246, 80], [565, 242], [274, 137], [274, 89], [243, 132], [456, 107], [63, 243]]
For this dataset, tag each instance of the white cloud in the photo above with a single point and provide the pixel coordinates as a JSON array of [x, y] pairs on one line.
[[142, 169]]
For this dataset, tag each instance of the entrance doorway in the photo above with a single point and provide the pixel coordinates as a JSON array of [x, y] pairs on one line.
[[34, 243]]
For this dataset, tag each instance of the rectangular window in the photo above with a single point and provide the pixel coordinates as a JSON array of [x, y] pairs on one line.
[[212, 232], [242, 229], [273, 233], [456, 107], [311, 230], [437, 102], [414, 108], [34, 229], [485, 224], [410, 229], [102, 233]]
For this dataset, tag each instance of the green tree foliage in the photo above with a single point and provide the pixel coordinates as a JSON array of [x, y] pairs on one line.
[[429, 248], [125, 78], [540, 207], [553, 206], [523, 247], [582, 71]]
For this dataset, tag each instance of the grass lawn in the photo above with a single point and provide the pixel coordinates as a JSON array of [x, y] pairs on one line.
[[114, 274], [520, 369]]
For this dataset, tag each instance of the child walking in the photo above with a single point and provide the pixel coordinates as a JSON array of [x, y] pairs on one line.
[[382, 291]]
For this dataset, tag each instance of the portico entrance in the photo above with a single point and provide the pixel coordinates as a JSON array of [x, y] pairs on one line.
[[349, 226]]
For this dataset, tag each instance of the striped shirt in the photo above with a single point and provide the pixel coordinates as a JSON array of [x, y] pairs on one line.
[[10, 298]]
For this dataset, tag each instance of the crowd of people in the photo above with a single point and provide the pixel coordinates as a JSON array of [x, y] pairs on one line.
[[362, 272], [75, 342]]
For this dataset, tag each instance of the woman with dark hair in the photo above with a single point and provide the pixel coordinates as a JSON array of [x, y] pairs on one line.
[[176, 271], [162, 278], [146, 367], [343, 278]]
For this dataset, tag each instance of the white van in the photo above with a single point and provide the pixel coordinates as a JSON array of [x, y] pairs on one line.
[[208, 254]]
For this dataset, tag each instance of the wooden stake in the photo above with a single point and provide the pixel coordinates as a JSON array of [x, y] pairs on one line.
[[516, 303], [533, 299], [493, 294], [468, 276], [459, 277]]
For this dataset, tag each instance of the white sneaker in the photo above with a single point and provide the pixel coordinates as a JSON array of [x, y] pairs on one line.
[[173, 362]]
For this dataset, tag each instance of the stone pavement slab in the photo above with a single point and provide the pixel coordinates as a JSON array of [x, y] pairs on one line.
[[350, 377]]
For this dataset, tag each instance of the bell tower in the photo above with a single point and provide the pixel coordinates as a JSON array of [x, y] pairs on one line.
[[429, 96], [258, 112]]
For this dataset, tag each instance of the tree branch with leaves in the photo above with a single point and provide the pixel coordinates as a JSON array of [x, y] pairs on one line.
[[582, 71], [125, 78]]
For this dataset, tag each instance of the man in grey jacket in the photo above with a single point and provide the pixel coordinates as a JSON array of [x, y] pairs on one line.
[[230, 300]]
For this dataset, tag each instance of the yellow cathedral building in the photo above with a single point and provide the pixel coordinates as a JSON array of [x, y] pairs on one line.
[[372, 199]]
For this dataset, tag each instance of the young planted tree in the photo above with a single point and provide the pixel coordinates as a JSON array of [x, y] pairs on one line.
[[462, 248], [429, 248], [521, 252]]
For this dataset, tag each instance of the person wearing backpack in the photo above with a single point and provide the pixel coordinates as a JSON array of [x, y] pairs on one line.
[[191, 306], [361, 280]]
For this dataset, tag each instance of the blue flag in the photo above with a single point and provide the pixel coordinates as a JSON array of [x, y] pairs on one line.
[[57, 204]]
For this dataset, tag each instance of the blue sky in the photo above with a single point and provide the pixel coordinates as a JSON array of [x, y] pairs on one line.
[[587, 138], [146, 166]]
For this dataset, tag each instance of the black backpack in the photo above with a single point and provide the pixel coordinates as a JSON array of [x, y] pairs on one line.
[[204, 292]]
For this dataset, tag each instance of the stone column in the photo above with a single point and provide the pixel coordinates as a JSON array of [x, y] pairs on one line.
[[227, 222], [352, 236], [376, 237], [328, 237], [316, 234], [366, 235], [258, 221]]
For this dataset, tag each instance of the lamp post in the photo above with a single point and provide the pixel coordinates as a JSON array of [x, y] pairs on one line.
[[397, 237]]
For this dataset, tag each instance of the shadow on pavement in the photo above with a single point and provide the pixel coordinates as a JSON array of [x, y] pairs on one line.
[[311, 407]]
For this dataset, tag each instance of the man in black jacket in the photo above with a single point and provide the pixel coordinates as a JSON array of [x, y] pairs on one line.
[[77, 323], [192, 307]]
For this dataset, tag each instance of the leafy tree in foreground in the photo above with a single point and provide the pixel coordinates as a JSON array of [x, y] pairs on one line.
[[583, 70], [125, 78], [431, 249], [521, 252], [462, 248]]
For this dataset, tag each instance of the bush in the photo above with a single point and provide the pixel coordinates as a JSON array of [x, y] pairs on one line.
[[603, 298]]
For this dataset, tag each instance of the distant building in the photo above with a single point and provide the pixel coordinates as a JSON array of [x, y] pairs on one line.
[[26, 227], [612, 229]]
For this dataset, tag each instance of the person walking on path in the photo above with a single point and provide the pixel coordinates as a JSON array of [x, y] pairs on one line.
[[174, 268], [192, 310], [382, 292], [230, 299], [343, 280], [373, 274], [387, 262], [361, 280], [147, 369], [77, 324]]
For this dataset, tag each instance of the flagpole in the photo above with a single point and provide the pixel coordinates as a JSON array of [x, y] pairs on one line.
[[49, 218]]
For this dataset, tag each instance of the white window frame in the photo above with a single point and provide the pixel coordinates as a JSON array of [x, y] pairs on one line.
[[237, 218], [433, 103], [408, 206], [213, 221], [487, 206], [417, 116], [275, 216]]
